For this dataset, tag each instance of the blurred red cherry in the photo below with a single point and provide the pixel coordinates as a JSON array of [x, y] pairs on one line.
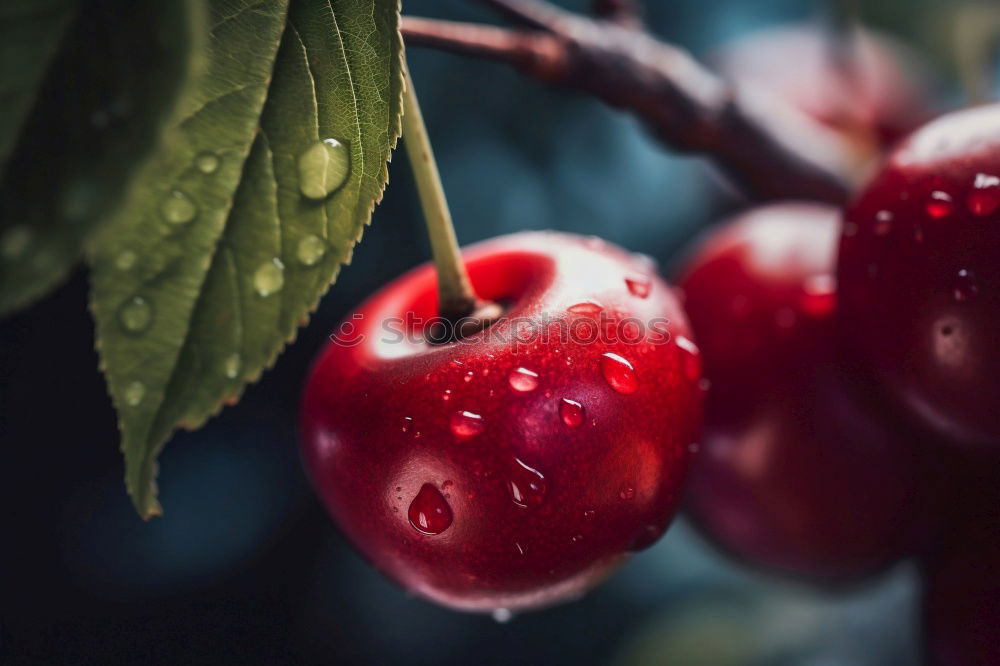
[[798, 472], [867, 85], [919, 270], [516, 467]]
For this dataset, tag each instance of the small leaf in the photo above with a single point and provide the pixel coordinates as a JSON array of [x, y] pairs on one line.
[[85, 91], [228, 238]]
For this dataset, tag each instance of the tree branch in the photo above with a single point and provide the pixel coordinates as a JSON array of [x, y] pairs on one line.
[[772, 150]]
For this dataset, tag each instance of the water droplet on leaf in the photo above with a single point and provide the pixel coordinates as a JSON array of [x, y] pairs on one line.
[[135, 315], [134, 393], [269, 278], [310, 250], [232, 365], [323, 168], [178, 208], [206, 162]]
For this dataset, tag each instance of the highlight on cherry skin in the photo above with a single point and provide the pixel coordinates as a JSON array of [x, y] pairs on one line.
[[798, 472], [919, 270], [517, 467]]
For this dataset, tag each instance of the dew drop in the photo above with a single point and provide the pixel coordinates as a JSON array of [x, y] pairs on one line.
[[231, 366], [576, 538], [323, 168], [134, 393], [819, 295], [15, 241], [692, 358], [589, 513], [269, 278], [585, 307], [407, 424], [502, 615], [466, 424], [468, 376], [571, 412], [883, 223], [626, 492], [446, 395], [135, 314], [429, 512], [619, 373], [523, 380], [939, 205], [125, 260], [310, 250], [206, 162], [965, 286], [985, 196], [177, 208], [639, 286], [527, 485]]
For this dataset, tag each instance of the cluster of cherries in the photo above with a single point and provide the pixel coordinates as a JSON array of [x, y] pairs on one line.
[[847, 415]]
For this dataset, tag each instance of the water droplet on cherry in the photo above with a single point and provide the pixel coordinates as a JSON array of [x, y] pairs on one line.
[[819, 295], [883, 223], [527, 485], [939, 205], [466, 424], [965, 286], [523, 380], [429, 511], [639, 286], [571, 412], [585, 307], [626, 492], [985, 196], [619, 373], [692, 358]]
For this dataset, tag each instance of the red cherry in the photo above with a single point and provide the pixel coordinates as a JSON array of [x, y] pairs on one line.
[[920, 295], [962, 582], [795, 473], [514, 468], [882, 94]]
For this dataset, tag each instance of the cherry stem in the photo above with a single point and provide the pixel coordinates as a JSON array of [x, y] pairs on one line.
[[457, 300]]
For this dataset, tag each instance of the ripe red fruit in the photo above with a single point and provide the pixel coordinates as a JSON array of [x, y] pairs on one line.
[[869, 86], [962, 583], [487, 473], [796, 472], [919, 270]]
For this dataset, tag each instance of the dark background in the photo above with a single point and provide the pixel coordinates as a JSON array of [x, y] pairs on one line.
[[246, 567]]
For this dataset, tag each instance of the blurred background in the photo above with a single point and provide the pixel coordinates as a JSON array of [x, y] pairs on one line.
[[245, 565]]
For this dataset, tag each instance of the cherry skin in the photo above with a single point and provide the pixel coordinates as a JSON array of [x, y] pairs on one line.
[[877, 94], [796, 473], [919, 270], [962, 581], [516, 467]]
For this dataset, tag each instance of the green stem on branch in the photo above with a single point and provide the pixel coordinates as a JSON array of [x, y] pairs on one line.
[[457, 301]]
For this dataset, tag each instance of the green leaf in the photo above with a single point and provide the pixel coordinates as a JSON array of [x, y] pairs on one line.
[[190, 311], [86, 89]]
